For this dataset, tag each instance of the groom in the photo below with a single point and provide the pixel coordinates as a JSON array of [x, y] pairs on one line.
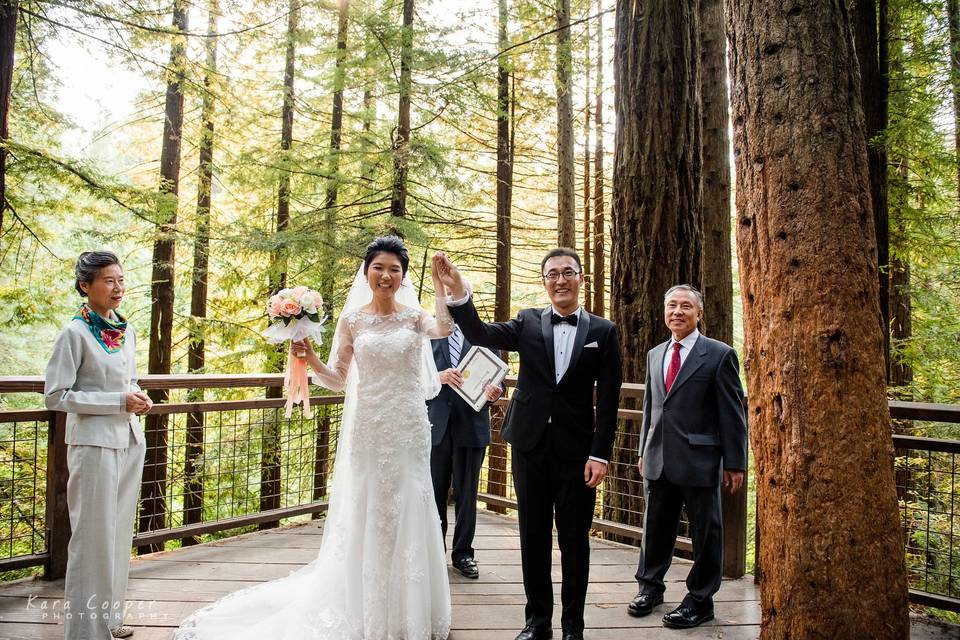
[[560, 445]]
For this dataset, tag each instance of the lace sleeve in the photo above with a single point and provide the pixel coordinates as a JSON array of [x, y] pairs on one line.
[[440, 326], [334, 375]]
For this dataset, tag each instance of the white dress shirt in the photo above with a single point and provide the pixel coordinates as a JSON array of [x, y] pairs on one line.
[[685, 346], [563, 337]]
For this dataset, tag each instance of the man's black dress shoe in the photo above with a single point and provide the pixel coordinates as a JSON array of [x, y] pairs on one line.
[[467, 567], [643, 604], [683, 617], [532, 633], [570, 635]]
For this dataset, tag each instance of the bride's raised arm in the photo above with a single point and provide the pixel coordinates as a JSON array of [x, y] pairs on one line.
[[334, 376], [439, 325]]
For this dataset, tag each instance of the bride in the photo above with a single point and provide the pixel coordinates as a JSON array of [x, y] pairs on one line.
[[381, 570]]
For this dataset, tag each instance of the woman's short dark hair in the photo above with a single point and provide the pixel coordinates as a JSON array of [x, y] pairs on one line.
[[561, 252], [386, 244], [89, 264]]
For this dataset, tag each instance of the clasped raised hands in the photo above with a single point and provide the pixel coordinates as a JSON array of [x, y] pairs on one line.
[[448, 276]]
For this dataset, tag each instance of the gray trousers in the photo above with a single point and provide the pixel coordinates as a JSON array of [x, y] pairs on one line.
[[102, 492]]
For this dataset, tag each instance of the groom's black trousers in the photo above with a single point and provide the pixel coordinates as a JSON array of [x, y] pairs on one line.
[[549, 483]]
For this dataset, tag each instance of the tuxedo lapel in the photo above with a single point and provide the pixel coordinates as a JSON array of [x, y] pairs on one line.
[[546, 327], [693, 362], [583, 326]]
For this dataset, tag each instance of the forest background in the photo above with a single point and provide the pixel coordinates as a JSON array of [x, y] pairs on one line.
[[225, 148]]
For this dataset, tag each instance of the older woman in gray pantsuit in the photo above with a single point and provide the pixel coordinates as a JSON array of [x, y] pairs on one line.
[[92, 377]]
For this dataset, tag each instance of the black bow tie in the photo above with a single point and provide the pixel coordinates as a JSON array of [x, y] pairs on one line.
[[570, 319]]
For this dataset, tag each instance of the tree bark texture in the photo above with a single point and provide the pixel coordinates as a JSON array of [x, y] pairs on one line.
[[901, 321], [599, 231], [196, 353], [566, 195], [717, 270], [152, 504], [656, 216], [497, 458], [401, 143], [870, 37], [820, 427], [8, 41]]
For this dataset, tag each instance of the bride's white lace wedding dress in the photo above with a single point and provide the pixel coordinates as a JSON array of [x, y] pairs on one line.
[[381, 571]]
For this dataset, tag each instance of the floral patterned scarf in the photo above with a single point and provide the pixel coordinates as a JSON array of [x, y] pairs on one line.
[[110, 334]]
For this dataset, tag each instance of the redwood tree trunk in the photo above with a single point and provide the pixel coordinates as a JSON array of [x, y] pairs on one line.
[[401, 144], [717, 270], [497, 458], [566, 196], [270, 436], [586, 257], [819, 424], [196, 354], [8, 41], [153, 506], [656, 214], [599, 251], [871, 45], [953, 22]]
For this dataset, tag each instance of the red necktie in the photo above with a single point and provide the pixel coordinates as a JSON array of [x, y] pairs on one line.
[[674, 367]]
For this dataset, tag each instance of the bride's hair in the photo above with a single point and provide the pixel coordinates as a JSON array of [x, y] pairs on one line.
[[386, 244]]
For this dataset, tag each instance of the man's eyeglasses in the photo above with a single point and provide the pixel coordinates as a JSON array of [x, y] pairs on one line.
[[553, 276]]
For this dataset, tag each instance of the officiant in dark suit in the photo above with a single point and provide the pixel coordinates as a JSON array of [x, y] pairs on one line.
[[560, 445], [693, 439], [460, 436]]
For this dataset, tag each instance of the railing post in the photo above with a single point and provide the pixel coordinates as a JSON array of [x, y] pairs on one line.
[[57, 515]]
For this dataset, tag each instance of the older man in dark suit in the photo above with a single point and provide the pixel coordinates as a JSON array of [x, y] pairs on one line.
[[693, 438], [460, 436]]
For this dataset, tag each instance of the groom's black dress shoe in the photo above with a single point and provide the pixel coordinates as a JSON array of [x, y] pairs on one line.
[[570, 635], [467, 568], [684, 617], [643, 604], [532, 633]]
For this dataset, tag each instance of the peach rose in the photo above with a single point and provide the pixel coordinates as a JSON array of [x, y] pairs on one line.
[[289, 307], [299, 291], [273, 306]]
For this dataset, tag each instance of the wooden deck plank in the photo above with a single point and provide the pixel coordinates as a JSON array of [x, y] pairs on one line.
[[175, 583]]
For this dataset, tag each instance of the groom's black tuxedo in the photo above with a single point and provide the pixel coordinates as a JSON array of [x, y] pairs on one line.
[[553, 429]]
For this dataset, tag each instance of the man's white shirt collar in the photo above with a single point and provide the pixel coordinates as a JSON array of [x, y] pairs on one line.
[[576, 313], [688, 341]]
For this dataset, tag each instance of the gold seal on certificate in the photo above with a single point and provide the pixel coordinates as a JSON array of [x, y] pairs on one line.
[[479, 368]]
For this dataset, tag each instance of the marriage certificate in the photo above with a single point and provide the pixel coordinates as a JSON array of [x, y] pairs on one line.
[[479, 368]]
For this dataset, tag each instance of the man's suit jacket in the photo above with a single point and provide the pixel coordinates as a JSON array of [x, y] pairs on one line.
[[699, 425], [578, 431], [449, 411]]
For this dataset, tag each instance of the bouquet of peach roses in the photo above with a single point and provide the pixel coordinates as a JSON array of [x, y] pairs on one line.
[[295, 314]]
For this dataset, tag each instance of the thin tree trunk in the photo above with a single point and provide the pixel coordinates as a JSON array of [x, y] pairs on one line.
[[599, 250], [871, 46], [196, 354], [717, 268], [819, 422], [566, 196], [270, 436], [656, 193], [586, 257], [497, 459], [901, 322], [328, 277], [953, 21], [401, 143], [153, 505], [8, 42]]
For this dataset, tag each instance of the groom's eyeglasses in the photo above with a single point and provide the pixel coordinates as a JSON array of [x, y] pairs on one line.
[[553, 276]]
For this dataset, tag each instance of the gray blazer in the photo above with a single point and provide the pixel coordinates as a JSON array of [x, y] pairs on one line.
[[699, 428], [90, 386]]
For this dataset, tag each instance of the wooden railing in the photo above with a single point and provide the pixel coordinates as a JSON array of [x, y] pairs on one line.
[[253, 467]]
